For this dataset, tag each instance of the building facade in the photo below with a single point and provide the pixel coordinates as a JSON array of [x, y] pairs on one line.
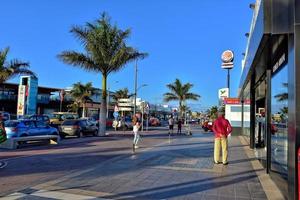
[[270, 81]]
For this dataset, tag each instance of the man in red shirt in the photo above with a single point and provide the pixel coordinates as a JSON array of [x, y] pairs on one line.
[[222, 129]]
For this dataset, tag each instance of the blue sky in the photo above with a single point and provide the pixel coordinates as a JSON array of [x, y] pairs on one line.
[[184, 39]]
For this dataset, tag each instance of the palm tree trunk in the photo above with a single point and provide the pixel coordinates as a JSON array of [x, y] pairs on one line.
[[180, 109], [83, 110], [103, 108]]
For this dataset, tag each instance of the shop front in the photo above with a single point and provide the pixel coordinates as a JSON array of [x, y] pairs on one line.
[[271, 82]]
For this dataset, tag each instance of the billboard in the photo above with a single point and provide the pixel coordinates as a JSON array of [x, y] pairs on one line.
[[32, 95], [21, 100]]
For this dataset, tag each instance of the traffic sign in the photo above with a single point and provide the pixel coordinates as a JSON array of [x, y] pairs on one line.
[[116, 115]]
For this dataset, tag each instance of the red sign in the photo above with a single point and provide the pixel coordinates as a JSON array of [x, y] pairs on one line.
[[232, 101]]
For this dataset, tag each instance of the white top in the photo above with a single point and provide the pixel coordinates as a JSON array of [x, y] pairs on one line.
[[135, 128]]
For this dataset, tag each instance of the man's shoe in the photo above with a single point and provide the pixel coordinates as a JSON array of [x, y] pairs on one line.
[[136, 147], [225, 163], [217, 163]]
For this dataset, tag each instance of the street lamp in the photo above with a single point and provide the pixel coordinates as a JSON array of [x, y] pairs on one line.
[[108, 98], [135, 95]]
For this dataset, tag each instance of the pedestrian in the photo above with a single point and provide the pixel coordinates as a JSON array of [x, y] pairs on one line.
[[222, 129], [179, 125], [171, 125], [136, 138]]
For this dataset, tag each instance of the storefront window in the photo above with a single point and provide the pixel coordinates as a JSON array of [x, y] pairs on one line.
[[246, 111], [279, 125]]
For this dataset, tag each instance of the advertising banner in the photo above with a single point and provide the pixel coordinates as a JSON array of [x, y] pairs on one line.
[[21, 100]]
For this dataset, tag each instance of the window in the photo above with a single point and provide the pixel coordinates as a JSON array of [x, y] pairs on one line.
[[279, 124]]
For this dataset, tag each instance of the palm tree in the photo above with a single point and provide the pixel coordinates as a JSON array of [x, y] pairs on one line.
[[213, 112], [81, 94], [106, 51], [12, 68], [283, 96], [119, 94], [180, 92]]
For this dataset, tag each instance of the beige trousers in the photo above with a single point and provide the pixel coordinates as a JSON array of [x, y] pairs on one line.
[[221, 142]]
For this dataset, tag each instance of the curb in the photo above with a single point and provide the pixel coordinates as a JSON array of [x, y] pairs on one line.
[[3, 164]]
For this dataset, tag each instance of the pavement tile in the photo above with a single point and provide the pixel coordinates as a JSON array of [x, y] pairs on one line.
[[210, 197]]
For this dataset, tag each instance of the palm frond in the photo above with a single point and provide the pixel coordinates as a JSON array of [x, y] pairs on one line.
[[79, 59]]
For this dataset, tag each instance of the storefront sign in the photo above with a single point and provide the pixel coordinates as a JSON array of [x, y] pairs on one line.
[[227, 59], [21, 100], [279, 63], [223, 93], [232, 101], [93, 105]]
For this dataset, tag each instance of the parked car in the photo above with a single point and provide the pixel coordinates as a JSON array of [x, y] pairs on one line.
[[207, 126], [23, 128], [5, 115], [57, 118], [109, 122], [43, 118], [154, 122], [78, 127], [128, 124]]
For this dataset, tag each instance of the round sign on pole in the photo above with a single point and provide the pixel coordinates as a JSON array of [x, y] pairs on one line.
[[227, 56], [116, 115]]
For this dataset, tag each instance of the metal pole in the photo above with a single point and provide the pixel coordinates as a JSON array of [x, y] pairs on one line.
[[107, 102], [142, 117], [60, 106], [135, 88], [228, 82]]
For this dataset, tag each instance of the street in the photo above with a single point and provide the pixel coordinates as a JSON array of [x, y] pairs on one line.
[[176, 167]]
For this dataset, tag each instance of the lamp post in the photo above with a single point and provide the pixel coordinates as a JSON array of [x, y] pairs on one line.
[[108, 99], [135, 95]]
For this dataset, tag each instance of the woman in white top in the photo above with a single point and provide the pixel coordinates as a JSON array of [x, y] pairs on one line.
[[136, 138]]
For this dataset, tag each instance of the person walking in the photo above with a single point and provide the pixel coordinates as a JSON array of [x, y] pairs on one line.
[[179, 125], [171, 125], [221, 128], [136, 138]]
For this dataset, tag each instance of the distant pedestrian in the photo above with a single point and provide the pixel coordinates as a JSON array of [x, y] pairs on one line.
[[179, 125], [171, 125], [136, 138], [222, 129]]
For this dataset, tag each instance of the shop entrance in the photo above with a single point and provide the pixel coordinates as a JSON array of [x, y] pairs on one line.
[[260, 121]]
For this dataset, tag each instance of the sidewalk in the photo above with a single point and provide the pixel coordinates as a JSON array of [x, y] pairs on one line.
[[179, 168]]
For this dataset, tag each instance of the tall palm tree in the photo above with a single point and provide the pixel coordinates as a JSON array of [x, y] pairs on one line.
[[119, 94], [105, 51], [180, 92], [81, 94], [12, 68]]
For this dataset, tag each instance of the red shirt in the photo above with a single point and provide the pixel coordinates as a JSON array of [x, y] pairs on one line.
[[221, 127]]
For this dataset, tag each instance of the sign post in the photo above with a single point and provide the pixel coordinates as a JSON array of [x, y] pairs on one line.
[[227, 63]]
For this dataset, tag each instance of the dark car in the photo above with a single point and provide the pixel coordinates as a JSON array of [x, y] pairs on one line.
[[78, 127], [43, 118]]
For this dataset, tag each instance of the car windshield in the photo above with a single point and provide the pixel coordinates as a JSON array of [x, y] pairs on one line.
[[11, 123], [69, 122]]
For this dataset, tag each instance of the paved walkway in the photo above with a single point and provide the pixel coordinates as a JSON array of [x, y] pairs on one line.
[[177, 168]]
